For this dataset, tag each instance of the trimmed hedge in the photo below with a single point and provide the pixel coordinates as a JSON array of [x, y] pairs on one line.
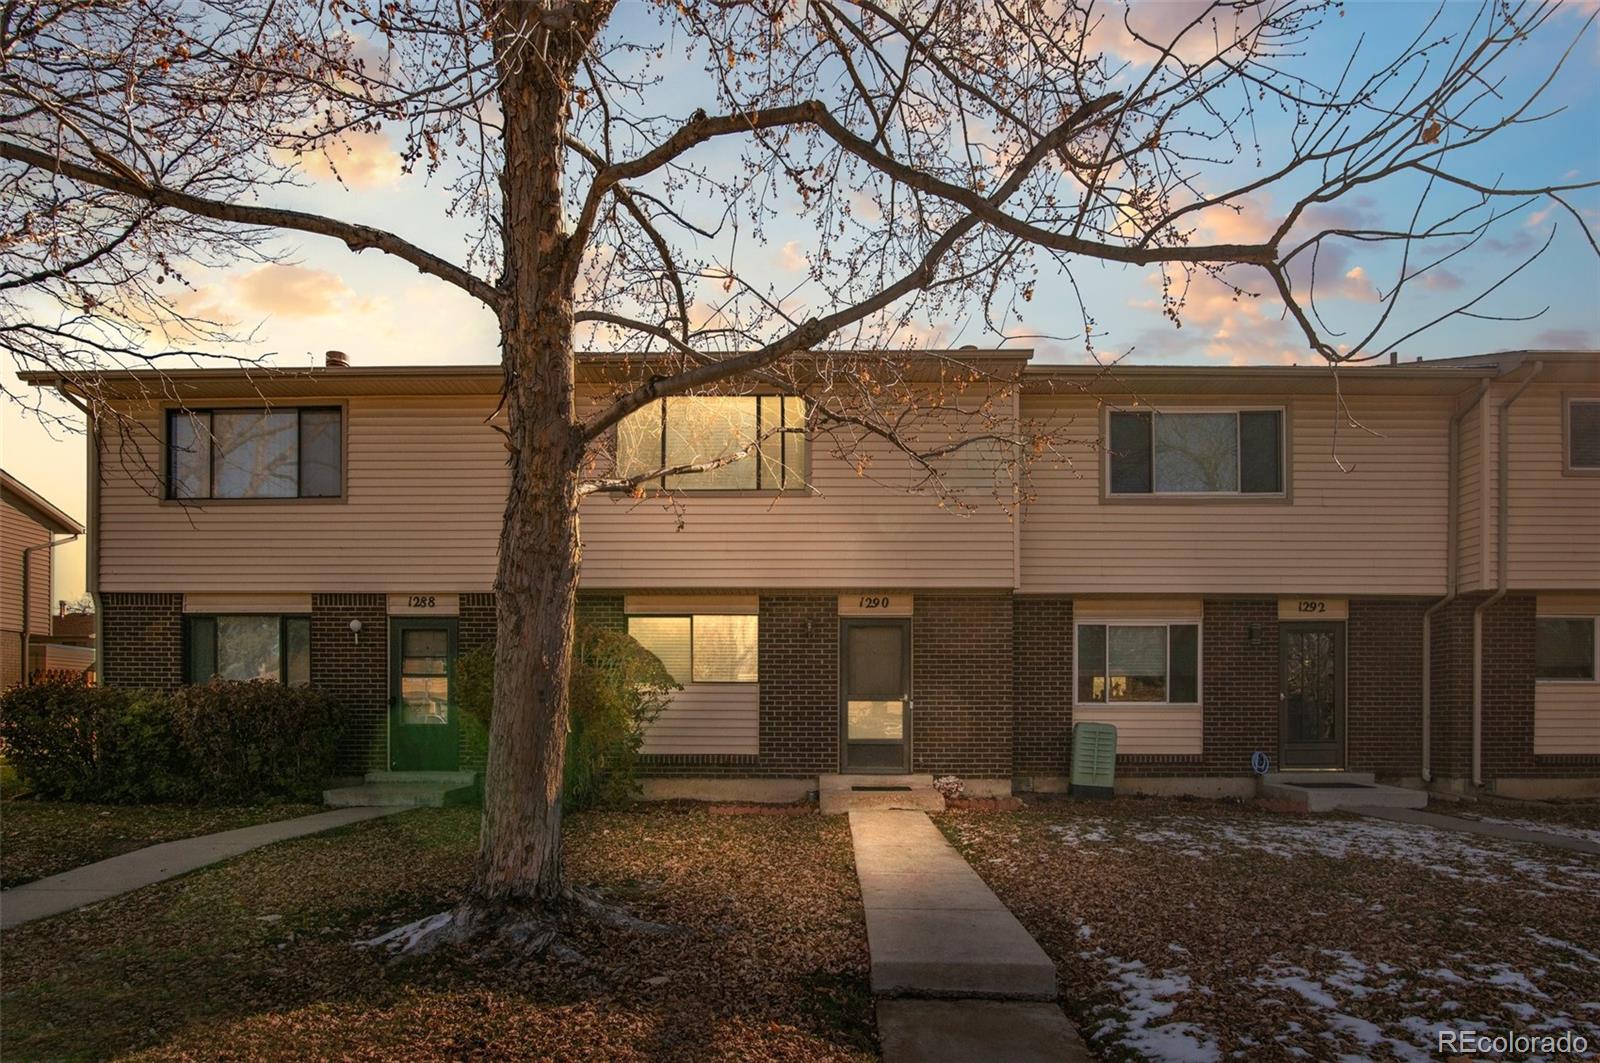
[[224, 743]]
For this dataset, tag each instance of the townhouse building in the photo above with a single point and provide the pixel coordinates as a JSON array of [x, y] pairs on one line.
[[1392, 569]]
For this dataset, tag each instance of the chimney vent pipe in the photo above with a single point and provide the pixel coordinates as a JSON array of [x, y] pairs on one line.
[[337, 360]]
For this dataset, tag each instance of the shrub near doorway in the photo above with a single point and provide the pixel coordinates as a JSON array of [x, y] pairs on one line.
[[220, 743], [617, 689]]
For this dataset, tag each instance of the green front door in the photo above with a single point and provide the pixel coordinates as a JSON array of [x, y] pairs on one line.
[[422, 712]]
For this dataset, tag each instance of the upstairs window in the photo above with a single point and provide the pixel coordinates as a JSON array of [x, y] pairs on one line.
[[248, 647], [255, 453], [766, 432], [1138, 664], [1583, 435], [703, 648], [1236, 452], [1564, 648]]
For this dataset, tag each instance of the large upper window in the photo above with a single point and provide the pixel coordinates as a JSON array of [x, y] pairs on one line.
[[1149, 664], [1154, 452], [703, 648], [1583, 435], [248, 647], [764, 435], [1564, 648], [254, 453]]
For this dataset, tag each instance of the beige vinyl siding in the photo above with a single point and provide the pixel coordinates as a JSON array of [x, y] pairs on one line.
[[425, 486], [851, 530], [708, 718], [1566, 719], [1554, 518], [425, 491], [1145, 730], [1377, 525], [18, 531], [1472, 500]]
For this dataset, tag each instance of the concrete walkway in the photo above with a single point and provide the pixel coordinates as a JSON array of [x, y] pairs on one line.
[[1503, 831], [144, 867], [958, 978]]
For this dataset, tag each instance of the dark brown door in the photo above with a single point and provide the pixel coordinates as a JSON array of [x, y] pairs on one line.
[[875, 695], [1311, 720]]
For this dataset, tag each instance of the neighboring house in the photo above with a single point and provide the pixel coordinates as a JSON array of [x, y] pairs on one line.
[[29, 526], [1251, 565]]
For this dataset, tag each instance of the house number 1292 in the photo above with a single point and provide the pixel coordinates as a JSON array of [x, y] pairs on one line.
[[1311, 605]]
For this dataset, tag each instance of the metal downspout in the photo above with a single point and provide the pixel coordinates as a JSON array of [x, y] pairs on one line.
[[91, 523], [1452, 588], [1502, 555]]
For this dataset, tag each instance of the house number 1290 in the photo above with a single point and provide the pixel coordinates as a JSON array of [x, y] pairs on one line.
[[874, 601]]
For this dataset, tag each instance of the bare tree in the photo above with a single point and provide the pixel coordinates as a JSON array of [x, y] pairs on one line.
[[942, 152]]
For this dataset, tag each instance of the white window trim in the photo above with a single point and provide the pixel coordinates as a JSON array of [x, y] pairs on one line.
[[692, 681], [1110, 622], [1594, 631], [1567, 402], [1283, 454]]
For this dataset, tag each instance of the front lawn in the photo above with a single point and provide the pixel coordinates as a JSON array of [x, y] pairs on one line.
[[1189, 930], [253, 958], [41, 838]]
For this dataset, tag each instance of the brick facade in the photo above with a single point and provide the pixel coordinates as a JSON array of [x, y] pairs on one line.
[[1041, 686], [354, 671], [1383, 687], [143, 640], [961, 676], [1239, 685]]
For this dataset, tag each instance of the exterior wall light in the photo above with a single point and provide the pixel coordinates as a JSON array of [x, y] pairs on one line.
[[355, 629]]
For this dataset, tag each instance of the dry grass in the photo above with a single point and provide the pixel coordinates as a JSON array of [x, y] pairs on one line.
[[1197, 930], [253, 958]]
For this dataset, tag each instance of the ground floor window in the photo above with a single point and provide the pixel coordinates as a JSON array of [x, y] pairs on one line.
[[701, 647], [1140, 664], [248, 647], [1565, 648]]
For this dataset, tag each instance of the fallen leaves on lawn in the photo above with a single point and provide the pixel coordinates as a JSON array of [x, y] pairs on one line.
[[773, 964]]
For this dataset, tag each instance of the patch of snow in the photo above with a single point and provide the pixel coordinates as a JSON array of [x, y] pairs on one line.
[[1583, 954], [1146, 998]]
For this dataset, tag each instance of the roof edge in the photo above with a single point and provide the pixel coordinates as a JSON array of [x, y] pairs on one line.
[[52, 513]]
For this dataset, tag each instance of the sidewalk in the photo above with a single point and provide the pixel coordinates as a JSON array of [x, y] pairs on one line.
[[1484, 828], [143, 867], [957, 977]]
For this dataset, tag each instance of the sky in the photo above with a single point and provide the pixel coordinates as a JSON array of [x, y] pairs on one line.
[[380, 311]]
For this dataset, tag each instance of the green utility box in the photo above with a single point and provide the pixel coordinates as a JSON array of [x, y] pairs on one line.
[[1094, 759]]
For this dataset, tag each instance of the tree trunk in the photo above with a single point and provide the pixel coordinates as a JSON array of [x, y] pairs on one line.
[[519, 859]]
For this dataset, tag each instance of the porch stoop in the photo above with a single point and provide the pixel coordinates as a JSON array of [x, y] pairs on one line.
[[838, 794], [407, 789], [1327, 791]]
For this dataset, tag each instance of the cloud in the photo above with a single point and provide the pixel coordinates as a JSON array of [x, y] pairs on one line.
[[1566, 339], [359, 159], [292, 291], [792, 257], [1118, 27]]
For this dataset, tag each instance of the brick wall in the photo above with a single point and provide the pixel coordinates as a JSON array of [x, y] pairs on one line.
[[603, 610], [961, 678], [355, 673], [1451, 667], [1383, 687], [143, 644], [1041, 685]]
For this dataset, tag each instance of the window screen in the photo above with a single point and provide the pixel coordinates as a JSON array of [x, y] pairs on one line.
[[255, 453], [1138, 663], [1583, 434], [1564, 648], [693, 429], [668, 638], [724, 649], [1200, 453]]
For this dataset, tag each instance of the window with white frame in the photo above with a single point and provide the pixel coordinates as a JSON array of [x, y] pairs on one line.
[[1195, 452], [1138, 663], [701, 647], [761, 440], [1583, 434], [1564, 648]]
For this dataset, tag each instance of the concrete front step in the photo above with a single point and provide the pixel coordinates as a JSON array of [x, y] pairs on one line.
[[1331, 791], [838, 794], [918, 781], [401, 795], [441, 778]]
